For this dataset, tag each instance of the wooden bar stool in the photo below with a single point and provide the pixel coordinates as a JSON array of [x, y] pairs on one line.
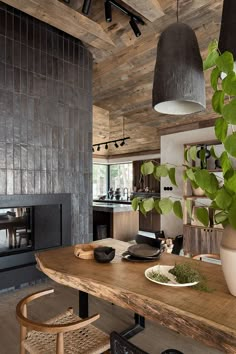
[[66, 330]]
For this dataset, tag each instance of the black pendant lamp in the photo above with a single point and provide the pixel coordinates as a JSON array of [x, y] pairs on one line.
[[179, 86], [227, 39]]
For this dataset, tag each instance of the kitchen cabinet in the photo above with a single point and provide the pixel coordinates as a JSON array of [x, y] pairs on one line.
[[122, 222], [150, 222]]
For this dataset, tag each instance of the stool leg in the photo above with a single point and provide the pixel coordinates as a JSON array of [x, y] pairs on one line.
[[23, 332], [60, 344]]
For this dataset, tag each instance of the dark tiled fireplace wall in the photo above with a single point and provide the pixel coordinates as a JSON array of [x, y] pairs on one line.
[[45, 115]]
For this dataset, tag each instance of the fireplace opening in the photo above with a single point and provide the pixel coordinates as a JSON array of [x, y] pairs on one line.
[[16, 230]]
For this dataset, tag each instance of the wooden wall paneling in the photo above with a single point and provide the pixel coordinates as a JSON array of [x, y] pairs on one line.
[[198, 240]]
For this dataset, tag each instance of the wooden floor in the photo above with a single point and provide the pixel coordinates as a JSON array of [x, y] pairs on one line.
[[153, 339]]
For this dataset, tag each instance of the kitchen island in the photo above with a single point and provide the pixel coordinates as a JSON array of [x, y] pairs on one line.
[[122, 222]]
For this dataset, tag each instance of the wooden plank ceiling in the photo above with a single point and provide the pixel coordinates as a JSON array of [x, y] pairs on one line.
[[123, 75], [124, 64]]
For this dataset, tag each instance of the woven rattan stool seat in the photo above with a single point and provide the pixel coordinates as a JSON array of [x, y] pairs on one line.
[[66, 333], [86, 340]]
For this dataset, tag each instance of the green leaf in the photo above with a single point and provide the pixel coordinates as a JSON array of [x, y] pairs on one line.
[[207, 181], [161, 171], [193, 152], [225, 62], [213, 45], [230, 144], [189, 207], [211, 195], [213, 153], [225, 162], [218, 101], [223, 199], [148, 204], [141, 208], [229, 84], [228, 174], [221, 128], [177, 209], [135, 203], [165, 205], [232, 213], [210, 60], [215, 74], [202, 156], [190, 174], [229, 112], [171, 174], [147, 168], [156, 206], [230, 183], [194, 185], [221, 217], [203, 216]]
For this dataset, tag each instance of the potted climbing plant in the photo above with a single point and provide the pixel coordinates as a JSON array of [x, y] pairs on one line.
[[222, 193]]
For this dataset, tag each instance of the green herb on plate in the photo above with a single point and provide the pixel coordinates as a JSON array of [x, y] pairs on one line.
[[157, 276], [185, 273]]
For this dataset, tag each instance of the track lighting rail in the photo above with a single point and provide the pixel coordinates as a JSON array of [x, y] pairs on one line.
[[110, 142]]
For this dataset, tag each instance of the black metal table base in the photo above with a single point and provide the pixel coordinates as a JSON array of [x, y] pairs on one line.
[[83, 304], [139, 321], [138, 326]]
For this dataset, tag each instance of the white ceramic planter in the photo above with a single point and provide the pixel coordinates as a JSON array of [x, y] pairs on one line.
[[228, 258], [198, 192]]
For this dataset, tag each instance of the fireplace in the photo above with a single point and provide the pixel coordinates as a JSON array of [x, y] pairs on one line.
[[30, 223]]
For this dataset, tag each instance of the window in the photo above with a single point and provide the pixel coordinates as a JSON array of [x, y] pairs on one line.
[[100, 180], [121, 176]]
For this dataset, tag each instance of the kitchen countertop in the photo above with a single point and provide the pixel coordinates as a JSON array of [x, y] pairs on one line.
[[112, 207], [113, 201]]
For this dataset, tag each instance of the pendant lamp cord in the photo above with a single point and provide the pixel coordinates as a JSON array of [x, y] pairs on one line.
[[177, 12]]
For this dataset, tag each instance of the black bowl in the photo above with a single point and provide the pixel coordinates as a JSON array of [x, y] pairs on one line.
[[104, 254]]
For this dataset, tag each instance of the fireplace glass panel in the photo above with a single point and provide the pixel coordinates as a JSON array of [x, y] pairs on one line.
[[15, 230]]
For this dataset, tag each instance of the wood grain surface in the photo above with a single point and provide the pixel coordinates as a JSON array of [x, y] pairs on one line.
[[205, 316]]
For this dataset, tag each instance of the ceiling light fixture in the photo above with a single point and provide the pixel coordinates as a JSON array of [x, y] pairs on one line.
[[228, 29], [108, 14], [134, 27], [179, 86], [134, 19], [106, 143], [86, 6]]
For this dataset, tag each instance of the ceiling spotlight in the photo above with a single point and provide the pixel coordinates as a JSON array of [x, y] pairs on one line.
[[116, 145], [67, 1], [134, 27], [122, 143], [106, 146], [98, 148], [108, 14], [86, 6]]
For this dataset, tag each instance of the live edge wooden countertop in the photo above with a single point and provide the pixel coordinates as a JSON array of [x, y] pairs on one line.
[[207, 317]]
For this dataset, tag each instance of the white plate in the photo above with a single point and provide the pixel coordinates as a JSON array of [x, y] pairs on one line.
[[164, 270]]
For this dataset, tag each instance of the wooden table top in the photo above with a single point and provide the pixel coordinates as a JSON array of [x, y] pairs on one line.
[[209, 317]]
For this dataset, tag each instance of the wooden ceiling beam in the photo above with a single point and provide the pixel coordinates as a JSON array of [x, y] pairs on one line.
[[150, 9], [66, 19]]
